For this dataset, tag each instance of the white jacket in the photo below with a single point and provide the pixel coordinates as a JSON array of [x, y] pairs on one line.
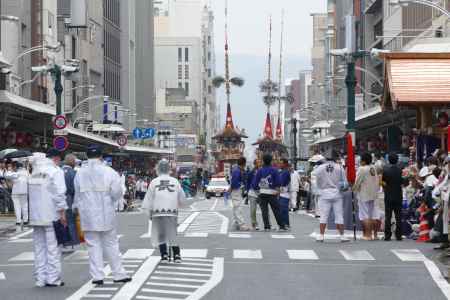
[[97, 191], [47, 192], [19, 179], [163, 197], [295, 182], [329, 177], [367, 183]]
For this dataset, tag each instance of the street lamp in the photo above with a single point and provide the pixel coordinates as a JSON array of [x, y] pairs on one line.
[[423, 2], [104, 97], [90, 87]]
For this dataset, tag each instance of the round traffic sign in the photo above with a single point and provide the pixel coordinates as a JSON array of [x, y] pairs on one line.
[[122, 140], [60, 143], [60, 122]]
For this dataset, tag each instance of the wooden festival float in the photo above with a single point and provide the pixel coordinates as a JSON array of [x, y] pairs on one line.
[[229, 142], [268, 143]]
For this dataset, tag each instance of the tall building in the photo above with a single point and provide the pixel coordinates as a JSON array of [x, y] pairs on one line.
[[184, 57]]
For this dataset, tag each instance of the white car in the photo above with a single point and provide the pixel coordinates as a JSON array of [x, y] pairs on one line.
[[217, 188]]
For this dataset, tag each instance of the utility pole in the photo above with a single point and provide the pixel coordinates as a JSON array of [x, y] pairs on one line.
[[294, 132]]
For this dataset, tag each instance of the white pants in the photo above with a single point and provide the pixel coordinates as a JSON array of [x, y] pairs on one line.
[[238, 217], [325, 206], [293, 199], [47, 256], [367, 210], [20, 207], [99, 242]]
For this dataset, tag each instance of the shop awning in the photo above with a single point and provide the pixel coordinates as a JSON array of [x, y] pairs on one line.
[[326, 139], [25, 104], [413, 78]]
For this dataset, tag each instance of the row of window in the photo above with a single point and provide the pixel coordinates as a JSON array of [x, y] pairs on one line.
[[180, 72], [180, 54]]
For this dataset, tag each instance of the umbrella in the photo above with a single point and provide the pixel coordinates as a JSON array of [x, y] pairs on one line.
[[18, 154], [316, 158], [4, 152]]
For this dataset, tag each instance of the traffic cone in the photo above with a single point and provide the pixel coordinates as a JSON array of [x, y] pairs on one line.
[[424, 234]]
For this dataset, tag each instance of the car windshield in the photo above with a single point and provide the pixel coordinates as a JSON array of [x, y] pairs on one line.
[[218, 183]]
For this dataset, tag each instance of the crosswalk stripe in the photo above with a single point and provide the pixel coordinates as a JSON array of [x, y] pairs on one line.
[[356, 255], [282, 236], [247, 254], [161, 291], [189, 286], [184, 268], [409, 254], [78, 255], [2, 276], [179, 279], [197, 234], [138, 253], [155, 298], [240, 235], [106, 289], [196, 253], [98, 296], [181, 274], [302, 254]]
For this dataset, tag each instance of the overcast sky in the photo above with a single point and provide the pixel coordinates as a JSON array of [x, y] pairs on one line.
[[248, 31]]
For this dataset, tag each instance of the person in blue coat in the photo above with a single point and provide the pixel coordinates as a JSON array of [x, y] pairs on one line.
[[69, 177], [237, 188], [266, 182], [285, 182]]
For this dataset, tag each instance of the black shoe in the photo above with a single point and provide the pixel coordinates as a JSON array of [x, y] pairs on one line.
[[399, 239], [125, 280], [55, 285], [97, 282], [387, 239], [164, 258], [177, 259], [442, 246]]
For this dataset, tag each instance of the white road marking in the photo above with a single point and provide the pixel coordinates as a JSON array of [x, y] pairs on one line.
[[225, 223], [105, 289], [85, 289], [126, 260], [186, 263], [129, 266], [138, 253], [161, 291], [176, 267], [190, 286], [333, 235], [197, 253], [183, 226], [197, 234], [302, 254], [2, 276], [356, 255], [216, 278], [20, 240], [24, 256], [179, 279], [105, 296], [440, 281], [199, 260], [130, 289], [213, 207], [282, 236], [240, 235], [149, 231], [247, 254], [78, 255], [409, 254], [181, 274], [16, 237]]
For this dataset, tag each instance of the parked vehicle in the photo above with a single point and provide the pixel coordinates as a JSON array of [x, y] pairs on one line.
[[217, 187]]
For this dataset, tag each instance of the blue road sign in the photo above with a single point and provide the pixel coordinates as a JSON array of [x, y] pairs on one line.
[[149, 133], [137, 133], [60, 143]]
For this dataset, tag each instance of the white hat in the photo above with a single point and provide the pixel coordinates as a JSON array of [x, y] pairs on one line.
[[424, 172]]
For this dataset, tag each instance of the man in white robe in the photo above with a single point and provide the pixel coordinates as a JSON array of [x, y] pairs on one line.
[[97, 191]]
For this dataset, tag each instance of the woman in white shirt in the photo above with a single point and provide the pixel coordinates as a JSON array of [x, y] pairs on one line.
[[366, 187]]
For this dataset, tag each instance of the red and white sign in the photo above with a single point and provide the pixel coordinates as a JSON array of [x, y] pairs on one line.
[[60, 143], [60, 122], [122, 140]]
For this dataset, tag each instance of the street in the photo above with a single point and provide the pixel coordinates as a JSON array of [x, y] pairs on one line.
[[219, 264]]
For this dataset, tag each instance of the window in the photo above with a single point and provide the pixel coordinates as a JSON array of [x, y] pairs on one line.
[[209, 40], [180, 55], [74, 47], [180, 85], [186, 88], [204, 85], [186, 72], [74, 94], [209, 73], [50, 23], [180, 72], [186, 54], [209, 56], [209, 89]]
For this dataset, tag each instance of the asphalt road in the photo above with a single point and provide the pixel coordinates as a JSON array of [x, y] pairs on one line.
[[219, 264]]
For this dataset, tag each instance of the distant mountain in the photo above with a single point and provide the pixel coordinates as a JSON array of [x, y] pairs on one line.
[[246, 102]]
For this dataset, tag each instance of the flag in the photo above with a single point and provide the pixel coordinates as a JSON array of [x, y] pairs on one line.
[[351, 170], [268, 131]]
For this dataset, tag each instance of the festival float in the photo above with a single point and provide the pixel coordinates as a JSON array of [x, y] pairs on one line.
[[268, 143], [229, 142]]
